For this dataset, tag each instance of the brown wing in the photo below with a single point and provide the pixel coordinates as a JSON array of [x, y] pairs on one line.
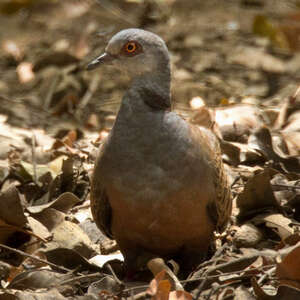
[[100, 206], [220, 208], [224, 199]]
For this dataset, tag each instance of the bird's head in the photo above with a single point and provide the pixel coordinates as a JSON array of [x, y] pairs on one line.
[[135, 51]]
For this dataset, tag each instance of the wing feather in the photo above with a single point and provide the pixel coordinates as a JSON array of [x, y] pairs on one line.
[[100, 206]]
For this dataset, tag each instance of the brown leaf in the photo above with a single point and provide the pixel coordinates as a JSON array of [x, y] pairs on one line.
[[36, 279], [288, 271], [180, 295], [38, 228], [157, 265], [69, 235], [289, 241], [70, 138], [38, 295], [63, 203], [70, 259], [280, 223], [50, 218], [260, 294], [160, 287], [237, 121], [11, 209], [257, 194], [284, 292], [261, 140], [247, 235]]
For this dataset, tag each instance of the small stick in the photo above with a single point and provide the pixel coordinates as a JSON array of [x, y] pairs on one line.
[[33, 145], [61, 268], [201, 286], [293, 98], [88, 95], [286, 186], [51, 91], [117, 280], [81, 277]]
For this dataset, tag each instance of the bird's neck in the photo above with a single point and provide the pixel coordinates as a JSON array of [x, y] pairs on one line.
[[153, 89]]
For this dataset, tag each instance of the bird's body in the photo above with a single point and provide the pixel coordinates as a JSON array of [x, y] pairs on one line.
[[158, 185]]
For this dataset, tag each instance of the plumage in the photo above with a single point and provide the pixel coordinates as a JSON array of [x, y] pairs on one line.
[[159, 185]]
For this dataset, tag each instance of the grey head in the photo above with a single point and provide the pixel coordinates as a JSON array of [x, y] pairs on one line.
[[137, 52]]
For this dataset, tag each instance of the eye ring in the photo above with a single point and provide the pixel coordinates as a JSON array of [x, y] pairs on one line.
[[130, 47]]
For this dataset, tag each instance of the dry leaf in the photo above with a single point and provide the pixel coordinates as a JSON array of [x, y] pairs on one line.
[[288, 271], [11, 208], [257, 194], [180, 295], [101, 260], [159, 287], [280, 223]]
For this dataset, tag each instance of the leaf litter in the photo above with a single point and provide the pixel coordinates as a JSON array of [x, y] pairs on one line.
[[240, 78]]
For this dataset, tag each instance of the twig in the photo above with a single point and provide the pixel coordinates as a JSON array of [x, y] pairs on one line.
[[117, 280], [33, 145], [51, 91], [81, 277], [265, 275], [286, 186], [214, 259], [210, 276], [141, 296], [61, 268], [215, 289], [201, 286], [293, 98], [230, 264], [88, 95]]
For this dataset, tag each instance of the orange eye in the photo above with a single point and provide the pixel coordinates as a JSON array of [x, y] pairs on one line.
[[130, 47]]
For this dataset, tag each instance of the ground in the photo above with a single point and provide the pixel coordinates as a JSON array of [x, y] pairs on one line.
[[235, 69]]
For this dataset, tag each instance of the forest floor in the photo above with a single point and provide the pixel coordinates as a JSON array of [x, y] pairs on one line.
[[235, 69]]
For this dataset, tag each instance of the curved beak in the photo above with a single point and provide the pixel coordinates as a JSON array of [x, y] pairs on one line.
[[102, 59]]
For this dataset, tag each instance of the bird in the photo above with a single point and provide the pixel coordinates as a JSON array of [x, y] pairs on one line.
[[159, 187]]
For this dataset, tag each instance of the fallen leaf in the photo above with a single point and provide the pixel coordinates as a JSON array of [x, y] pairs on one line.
[[288, 271], [159, 287], [11, 208], [101, 260], [63, 203], [257, 194], [70, 259], [280, 223]]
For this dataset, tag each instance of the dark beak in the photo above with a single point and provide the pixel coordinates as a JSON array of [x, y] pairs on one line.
[[102, 59]]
